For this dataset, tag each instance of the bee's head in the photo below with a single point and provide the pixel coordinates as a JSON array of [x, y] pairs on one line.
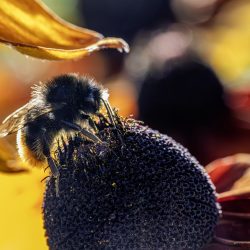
[[75, 92]]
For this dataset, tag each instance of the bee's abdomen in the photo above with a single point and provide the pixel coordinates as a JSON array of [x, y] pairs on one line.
[[30, 148]]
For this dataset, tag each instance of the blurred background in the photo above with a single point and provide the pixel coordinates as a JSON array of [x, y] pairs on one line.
[[187, 75]]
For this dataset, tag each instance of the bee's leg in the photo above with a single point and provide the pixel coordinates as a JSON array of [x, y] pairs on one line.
[[55, 173], [52, 166], [51, 163], [46, 177], [85, 132], [111, 116], [45, 169], [91, 122], [102, 117]]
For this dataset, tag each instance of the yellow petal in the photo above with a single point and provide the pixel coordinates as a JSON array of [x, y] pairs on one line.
[[20, 211], [33, 29]]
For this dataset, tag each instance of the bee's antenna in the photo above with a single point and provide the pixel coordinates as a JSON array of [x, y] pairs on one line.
[[111, 116], [110, 112]]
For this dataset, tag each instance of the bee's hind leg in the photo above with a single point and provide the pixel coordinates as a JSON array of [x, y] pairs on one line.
[[55, 173], [52, 165]]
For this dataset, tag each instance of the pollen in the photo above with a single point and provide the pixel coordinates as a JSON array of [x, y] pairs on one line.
[[142, 192]]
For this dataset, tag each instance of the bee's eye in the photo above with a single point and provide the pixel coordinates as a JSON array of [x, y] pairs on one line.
[[90, 101]]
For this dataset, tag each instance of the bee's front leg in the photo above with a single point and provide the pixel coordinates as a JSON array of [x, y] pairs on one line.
[[90, 121], [85, 132]]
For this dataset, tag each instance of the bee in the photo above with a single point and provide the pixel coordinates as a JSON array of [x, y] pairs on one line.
[[65, 103]]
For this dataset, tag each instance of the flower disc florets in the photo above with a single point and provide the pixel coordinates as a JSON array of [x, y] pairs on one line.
[[144, 192]]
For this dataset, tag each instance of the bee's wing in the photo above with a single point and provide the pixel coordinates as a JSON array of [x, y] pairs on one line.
[[16, 121]]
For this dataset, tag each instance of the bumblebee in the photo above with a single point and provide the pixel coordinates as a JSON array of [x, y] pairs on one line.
[[64, 104]]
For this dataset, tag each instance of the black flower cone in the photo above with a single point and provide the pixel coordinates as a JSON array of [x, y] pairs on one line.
[[145, 193]]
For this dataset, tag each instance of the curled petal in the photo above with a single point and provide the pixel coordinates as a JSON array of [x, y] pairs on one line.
[[32, 29], [62, 54]]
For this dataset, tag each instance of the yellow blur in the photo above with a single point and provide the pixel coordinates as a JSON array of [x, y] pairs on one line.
[[20, 211], [225, 42]]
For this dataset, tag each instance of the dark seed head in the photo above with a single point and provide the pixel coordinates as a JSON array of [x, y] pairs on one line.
[[146, 192]]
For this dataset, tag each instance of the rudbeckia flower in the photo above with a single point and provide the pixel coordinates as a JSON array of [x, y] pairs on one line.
[[145, 190]]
